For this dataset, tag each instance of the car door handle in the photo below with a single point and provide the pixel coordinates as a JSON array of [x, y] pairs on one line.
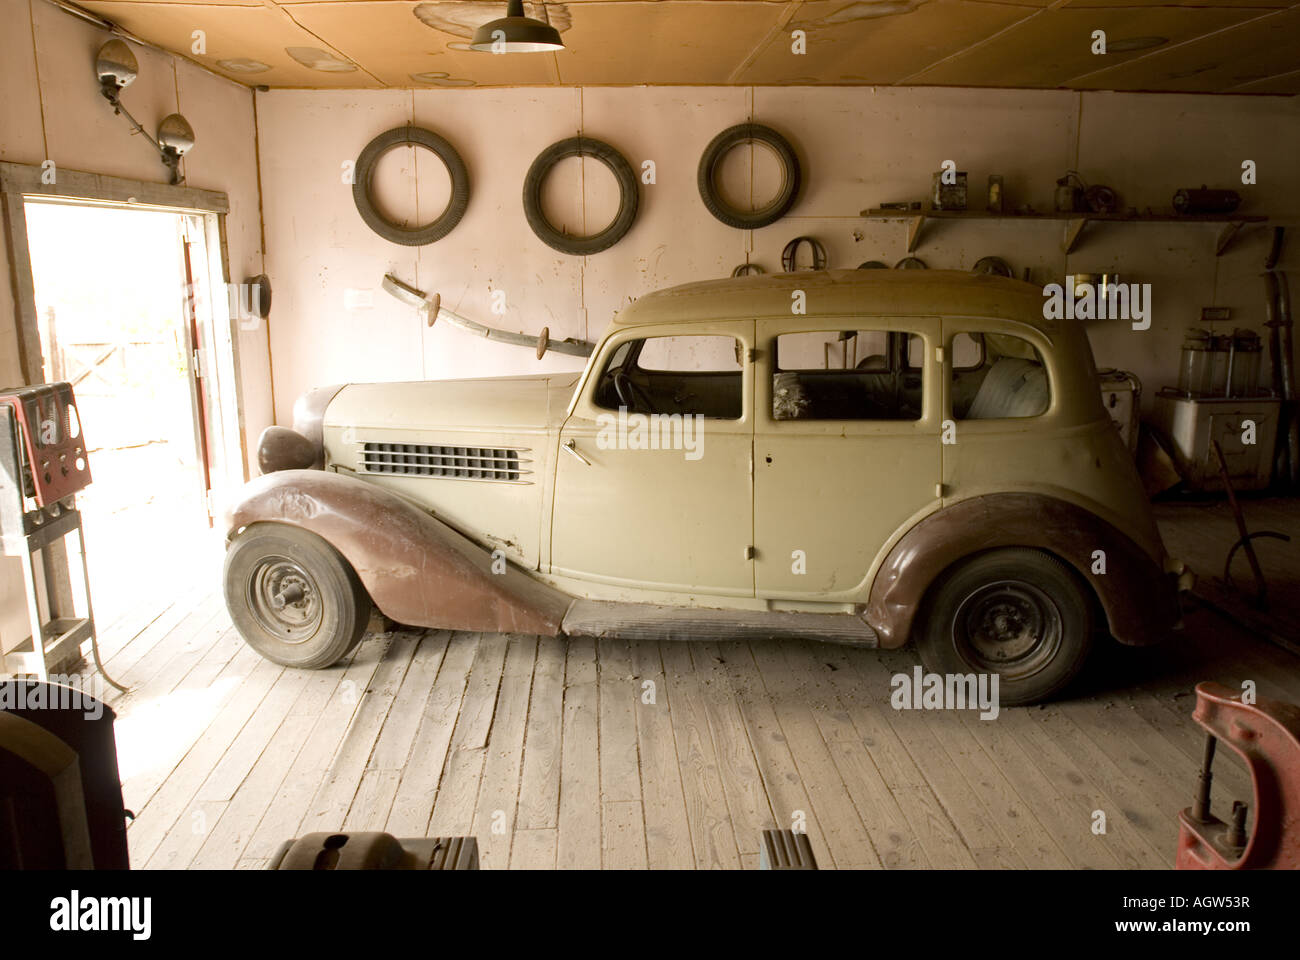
[[572, 447]]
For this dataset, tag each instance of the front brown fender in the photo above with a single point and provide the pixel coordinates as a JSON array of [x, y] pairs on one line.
[[1139, 600], [417, 570]]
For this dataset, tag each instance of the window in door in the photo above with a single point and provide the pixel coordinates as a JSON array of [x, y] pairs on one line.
[[689, 375], [847, 375]]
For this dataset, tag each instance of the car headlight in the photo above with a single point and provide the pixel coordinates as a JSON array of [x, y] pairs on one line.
[[301, 447]]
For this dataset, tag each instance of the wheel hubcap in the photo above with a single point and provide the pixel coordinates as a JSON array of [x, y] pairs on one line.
[[284, 599], [1008, 627]]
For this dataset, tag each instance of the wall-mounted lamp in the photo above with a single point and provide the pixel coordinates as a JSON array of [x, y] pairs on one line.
[[175, 139], [116, 68], [515, 33]]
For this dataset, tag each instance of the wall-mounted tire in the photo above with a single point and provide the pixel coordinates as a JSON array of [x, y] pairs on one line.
[[322, 607], [629, 196], [364, 173], [718, 148]]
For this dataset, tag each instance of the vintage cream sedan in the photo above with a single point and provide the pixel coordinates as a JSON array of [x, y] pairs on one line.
[[864, 457]]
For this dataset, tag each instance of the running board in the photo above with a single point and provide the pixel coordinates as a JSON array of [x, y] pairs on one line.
[[649, 621]]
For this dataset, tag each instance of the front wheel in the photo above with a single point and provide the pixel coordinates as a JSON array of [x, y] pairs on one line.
[[1019, 613], [293, 597]]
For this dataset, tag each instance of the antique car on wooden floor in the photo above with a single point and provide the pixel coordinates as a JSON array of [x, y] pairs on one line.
[[864, 457]]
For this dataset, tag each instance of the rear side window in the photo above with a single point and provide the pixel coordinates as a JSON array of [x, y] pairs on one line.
[[846, 375], [1009, 382]]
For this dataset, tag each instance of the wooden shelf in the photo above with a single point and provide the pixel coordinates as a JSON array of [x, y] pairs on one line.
[[1074, 222]]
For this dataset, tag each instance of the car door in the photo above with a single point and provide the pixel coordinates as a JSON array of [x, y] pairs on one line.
[[846, 448], [998, 397], [654, 479]]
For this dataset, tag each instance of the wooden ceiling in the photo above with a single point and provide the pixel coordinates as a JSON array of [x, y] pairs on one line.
[[1201, 46]]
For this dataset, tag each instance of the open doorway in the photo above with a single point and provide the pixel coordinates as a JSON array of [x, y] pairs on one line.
[[121, 297]]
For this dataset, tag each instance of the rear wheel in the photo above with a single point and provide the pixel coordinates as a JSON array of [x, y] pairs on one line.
[[1019, 613], [293, 597]]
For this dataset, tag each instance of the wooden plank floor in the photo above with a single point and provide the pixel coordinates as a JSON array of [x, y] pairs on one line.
[[614, 754]]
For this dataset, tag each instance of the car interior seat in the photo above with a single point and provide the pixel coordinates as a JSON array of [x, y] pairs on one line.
[[1012, 388]]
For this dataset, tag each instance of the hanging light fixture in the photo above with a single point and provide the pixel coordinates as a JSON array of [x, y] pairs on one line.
[[516, 33]]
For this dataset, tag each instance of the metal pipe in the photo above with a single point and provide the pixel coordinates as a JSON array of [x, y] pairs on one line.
[[1274, 325], [89, 17], [1201, 806], [120, 107], [1275, 248], [1286, 356], [72, 10], [1232, 358]]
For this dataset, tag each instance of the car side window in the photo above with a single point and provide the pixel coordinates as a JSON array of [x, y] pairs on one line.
[[1010, 382], [689, 375], [967, 351], [847, 375]]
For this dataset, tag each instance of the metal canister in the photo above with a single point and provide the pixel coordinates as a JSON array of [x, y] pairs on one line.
[[1196, 366], [1243, 363], [997, 194], [949, 196], [1191, 201], [1068, 196]]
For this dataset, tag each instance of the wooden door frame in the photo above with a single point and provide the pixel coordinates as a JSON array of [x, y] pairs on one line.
[[19, 181]]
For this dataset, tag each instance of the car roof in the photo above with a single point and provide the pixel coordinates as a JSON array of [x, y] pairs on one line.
[[842, 293]]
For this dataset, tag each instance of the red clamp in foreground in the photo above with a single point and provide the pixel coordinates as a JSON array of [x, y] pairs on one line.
[[1266, 735]]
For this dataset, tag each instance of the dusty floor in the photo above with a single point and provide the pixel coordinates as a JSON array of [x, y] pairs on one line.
[[556, 754], [1202, 532]]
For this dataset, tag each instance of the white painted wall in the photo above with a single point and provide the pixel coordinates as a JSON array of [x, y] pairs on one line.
[[859, 146], [51, 108]]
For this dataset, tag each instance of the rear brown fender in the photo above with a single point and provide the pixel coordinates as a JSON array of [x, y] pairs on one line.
[[417, 570], [1139, 600]]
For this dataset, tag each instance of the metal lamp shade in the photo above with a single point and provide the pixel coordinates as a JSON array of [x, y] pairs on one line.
[[115, 65], [516, 33], [175, 134]]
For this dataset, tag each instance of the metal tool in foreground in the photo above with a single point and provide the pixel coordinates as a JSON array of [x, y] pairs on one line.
[[1266, 735]]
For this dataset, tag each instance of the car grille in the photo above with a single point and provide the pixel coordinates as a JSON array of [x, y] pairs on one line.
[[453, 463]]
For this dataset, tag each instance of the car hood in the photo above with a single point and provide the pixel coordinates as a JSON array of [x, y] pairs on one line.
[[535, 402]]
